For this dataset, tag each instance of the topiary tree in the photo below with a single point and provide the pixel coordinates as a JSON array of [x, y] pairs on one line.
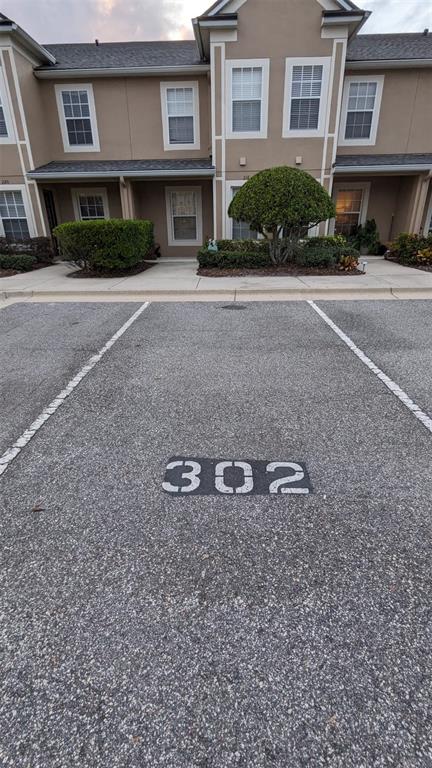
[[280, 203]]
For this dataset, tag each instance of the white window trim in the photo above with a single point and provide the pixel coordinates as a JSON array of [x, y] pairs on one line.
[[95, 147], [27, 207], [233, 64], [199, 218], [164, 86], [365, 186], [228, 197], [4, 98], [428, 221], [371, 141], [290, 63], [101, 191]]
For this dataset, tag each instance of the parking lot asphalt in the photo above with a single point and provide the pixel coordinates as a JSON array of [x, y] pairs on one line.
[[145, 628]]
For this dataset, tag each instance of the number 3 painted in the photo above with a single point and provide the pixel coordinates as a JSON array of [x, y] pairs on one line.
[[295, 478], [192, 476]]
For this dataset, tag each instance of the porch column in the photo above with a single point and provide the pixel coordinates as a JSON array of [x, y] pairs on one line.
[[126, 197], [419, 203]]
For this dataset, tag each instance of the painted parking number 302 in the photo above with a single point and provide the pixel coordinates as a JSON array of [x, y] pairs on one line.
[[186, 476]]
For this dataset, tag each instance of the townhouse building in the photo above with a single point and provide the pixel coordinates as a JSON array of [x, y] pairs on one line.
[[169, 131]]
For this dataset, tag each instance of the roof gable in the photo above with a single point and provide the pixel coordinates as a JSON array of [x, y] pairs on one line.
[[231, 6]]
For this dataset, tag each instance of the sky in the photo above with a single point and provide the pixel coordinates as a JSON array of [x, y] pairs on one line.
[[58, 21]]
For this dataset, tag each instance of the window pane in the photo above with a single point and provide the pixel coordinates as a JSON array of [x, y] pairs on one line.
[[241, 229], [304, 114], [358, 125], [77, 114], [361, 105], [305, 97], [16, 229], [246, 116], [183, 203], [348, 210], [181, 130], [180, 101], [3, 129], [247, 83], [185, 228], [91, 207]]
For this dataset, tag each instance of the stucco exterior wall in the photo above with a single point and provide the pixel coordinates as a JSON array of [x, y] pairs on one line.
[[150, 203], [406, 113]]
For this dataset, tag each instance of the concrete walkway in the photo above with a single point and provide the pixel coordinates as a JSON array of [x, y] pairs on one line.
[[177, 281]]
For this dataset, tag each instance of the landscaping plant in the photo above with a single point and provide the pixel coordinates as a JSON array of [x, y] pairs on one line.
[[105, 245], [20, 262], [281, 204]]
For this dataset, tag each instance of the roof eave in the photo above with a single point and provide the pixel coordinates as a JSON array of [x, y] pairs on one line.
[[203, 25], [62, 74], [394, 168], [389, 64], [150, 174], [28, 42], [353, 19]]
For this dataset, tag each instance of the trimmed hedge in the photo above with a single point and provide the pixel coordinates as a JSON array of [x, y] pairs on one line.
[[41, 248], [21, 262], [105, 245], [234, 259], [254, 254]]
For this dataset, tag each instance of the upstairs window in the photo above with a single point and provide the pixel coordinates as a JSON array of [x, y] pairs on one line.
[[306, 97], [90, 204], [247, 83], [360, 110], [361, 105], [180, 115], [6, 132], [77, 118], [13, 215], [247, 98]]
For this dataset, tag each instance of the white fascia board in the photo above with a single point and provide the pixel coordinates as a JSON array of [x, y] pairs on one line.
[[199, 172], [328, 21], [381, 168], [28, 42], [389, 64], [229, 24], [62, 74]]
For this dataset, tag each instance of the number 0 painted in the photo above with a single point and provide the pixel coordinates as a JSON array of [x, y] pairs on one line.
[[248, 484], [277, 486]]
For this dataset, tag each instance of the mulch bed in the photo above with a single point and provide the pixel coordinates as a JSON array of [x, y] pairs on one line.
[[84, 273], [421, 267], [286, 269], [12, 272]]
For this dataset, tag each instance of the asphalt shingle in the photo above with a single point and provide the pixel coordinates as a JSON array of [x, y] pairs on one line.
[[343, 161], [394, 47], [118, 167], [128, 55]]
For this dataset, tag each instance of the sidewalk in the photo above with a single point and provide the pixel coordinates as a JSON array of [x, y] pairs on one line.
[[177, 281]]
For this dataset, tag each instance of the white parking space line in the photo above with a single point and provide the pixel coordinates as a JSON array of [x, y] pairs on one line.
[[386, 380], [43, 417]]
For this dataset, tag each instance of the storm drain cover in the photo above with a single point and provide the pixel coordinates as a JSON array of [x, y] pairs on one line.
[[234, 307]]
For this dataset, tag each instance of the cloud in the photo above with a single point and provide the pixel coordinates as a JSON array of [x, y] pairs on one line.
[[56, 21]]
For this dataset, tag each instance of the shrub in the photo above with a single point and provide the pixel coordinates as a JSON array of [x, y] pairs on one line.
[[325, 252], [280, 203], [424, 257], [406, 248], [21, 262], [366, 237], [105, 244], [230, 259], [39, 247], [250, 246]]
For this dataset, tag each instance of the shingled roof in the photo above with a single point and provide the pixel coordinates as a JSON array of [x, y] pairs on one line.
[[394, 47], [200, 166], [130, 55]]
